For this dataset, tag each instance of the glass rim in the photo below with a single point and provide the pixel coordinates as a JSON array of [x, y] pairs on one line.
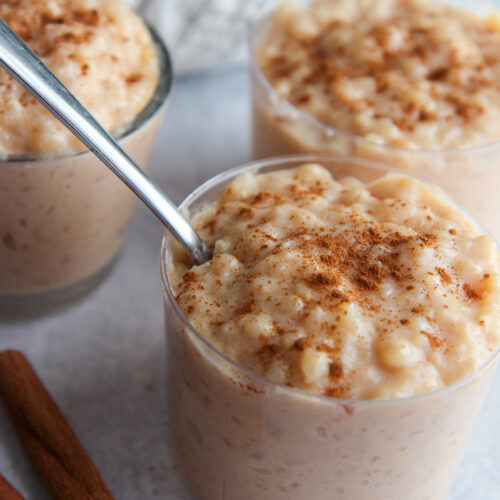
[[151, 108], [290, 161], [252, 39]]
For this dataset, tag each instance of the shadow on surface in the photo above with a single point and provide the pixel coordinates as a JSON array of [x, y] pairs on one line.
[[24, 308]]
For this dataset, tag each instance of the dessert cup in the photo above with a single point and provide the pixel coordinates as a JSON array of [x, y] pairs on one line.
[[63, 219], [470, 174], [237, 434]]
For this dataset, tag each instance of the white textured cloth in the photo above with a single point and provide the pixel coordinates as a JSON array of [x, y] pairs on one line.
[[202, 34]]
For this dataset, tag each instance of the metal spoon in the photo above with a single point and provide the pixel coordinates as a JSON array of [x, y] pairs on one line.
[[25, 66]]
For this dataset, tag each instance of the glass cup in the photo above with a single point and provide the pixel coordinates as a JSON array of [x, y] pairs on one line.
[[63, 219], [239, 435], [470, 175]]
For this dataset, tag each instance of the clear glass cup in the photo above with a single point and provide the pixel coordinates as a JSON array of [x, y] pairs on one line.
[[470, 175], [239, 435], [63, 219]]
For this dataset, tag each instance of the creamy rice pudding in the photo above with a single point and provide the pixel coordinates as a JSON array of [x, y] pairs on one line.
[[347, 291], [342, 289], [63, 215], [413, 83], [99, 49], [411, 73]]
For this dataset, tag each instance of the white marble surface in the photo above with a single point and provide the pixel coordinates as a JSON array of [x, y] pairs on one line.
[[103, 358]]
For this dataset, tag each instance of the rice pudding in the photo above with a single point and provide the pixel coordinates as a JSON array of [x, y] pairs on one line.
[[342, 289], [410, 73], [98, 48], [413, 83], [63, 215], [356, 311]]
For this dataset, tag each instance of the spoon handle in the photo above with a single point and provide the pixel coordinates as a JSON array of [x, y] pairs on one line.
[[25, 66]]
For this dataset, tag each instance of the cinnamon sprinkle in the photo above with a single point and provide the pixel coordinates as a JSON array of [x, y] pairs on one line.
[[134, 78], [336, 370], [445, 277], [302, 343], [470, 292], [434, 341], [246, 308]]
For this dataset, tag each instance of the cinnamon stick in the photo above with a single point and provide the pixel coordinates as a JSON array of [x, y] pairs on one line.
[[53, 449], [7, 491]]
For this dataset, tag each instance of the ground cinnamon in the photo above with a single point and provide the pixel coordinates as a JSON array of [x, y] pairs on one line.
[[7, 491], [53, 449]]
